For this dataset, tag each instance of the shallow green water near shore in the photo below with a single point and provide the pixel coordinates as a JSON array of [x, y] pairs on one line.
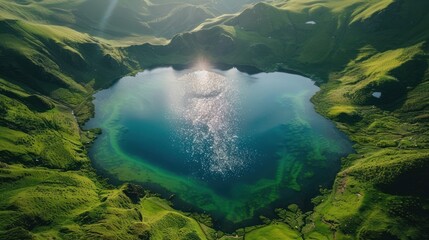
[[223, 142]]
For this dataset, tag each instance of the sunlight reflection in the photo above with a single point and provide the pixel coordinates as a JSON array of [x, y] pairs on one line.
[[207, 103], [202, 64]]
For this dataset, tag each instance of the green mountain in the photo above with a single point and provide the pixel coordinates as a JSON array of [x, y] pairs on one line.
[[115, 19], [55, 54]]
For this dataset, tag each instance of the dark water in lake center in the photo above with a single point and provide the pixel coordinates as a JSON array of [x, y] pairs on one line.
[[224, 142]]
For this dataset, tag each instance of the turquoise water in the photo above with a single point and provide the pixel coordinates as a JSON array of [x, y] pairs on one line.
[[223, 142]]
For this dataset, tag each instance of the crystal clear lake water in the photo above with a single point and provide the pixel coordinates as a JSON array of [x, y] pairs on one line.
[[227, 143]]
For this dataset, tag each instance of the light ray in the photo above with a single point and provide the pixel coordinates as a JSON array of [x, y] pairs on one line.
[[108, 14]]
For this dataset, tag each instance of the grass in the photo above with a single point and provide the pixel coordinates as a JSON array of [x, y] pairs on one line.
[[49, 138], [48, 59], [37, 197], [343, 113], [166, 222], [273, 231], [52, 203]]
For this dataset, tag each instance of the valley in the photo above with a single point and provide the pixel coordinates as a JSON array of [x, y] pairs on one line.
[[55, 55]]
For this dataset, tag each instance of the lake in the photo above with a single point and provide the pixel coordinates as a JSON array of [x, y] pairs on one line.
[[227, 143]]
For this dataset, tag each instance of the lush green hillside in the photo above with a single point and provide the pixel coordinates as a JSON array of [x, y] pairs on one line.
[[139, 20], [51, 64]]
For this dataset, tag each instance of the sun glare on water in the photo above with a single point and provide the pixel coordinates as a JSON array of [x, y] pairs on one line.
[[207, 102]]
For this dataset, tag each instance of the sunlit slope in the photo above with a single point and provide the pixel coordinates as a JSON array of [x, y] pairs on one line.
[[116, 19], [359, 50], [47, 76], [56, 61], [39, 203]]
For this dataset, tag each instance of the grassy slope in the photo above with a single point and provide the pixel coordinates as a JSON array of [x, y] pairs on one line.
[[57, 62], [273, 231], [72, 204], [118, 19], [355, 48]]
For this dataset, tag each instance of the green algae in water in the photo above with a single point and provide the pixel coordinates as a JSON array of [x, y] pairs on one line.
[[224, 142]]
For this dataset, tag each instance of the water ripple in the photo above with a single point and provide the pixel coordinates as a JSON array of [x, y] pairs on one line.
[[207, 103]]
